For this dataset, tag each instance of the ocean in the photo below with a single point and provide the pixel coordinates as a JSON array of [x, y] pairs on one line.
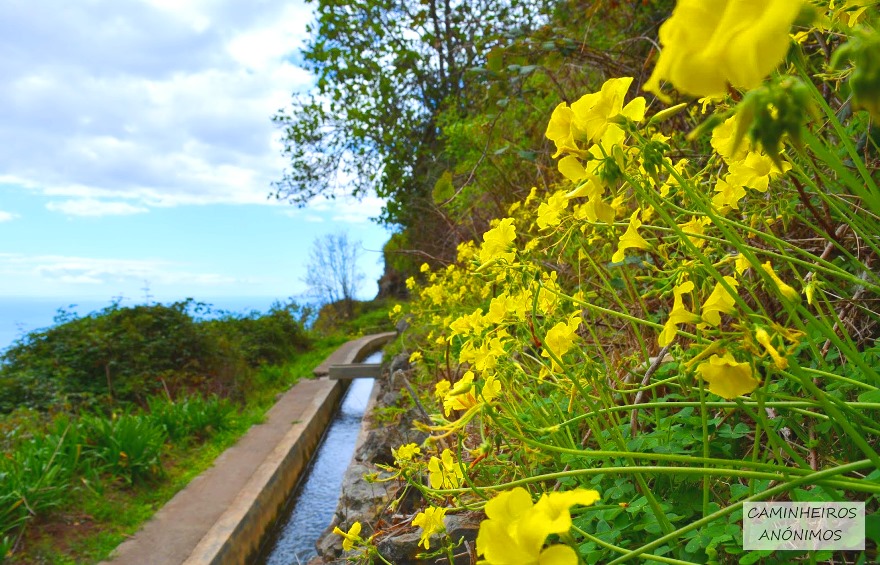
[[19, 316]]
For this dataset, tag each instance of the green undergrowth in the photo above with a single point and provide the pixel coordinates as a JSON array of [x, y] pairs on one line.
[[81, 476]]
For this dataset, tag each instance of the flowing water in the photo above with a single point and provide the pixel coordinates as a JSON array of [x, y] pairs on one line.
[[310, 508]]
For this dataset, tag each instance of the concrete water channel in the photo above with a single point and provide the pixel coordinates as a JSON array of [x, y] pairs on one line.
[[310, 509], [222, 516]]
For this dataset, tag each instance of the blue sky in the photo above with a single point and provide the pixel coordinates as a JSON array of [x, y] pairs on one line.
[[138, 151]]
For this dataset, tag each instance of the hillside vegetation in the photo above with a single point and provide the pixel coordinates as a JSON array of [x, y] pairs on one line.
[[657, 297], [104, 417]]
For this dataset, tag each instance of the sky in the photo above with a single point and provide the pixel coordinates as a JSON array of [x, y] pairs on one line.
[[137, 152]]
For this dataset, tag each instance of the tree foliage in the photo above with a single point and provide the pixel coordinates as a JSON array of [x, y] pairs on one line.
[[385, 71], [433, 105]]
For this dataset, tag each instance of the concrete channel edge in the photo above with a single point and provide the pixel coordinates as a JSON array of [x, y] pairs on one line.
[[235, 535]]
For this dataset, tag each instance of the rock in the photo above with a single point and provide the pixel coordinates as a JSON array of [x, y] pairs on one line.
[[465, 526], [400, 362], [402, 325], [401, 548], [329, 546], [360, 497], [391, 398]]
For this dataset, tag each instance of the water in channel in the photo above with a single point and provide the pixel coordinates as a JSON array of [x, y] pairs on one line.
[[311, 506]]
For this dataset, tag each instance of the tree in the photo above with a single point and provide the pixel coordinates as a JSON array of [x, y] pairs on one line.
[[333, 276], [439, 106], [385, 70]]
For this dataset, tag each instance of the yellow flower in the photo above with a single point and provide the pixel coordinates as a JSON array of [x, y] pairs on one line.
[[548, 297], [486, 356], [466, 251], [696, 227], [431, 522], [678, 315], [461, 396], [729, 193], [406, 452], [548, 212], [491, 389], [559, 129], [725, 143], [497, 241], [755, 171], [784, 289], [742, 264], [592, 114], [500, 306], [415, 357], [630, 238], [467, 324], [708, 44], [571, 168], [671, 180], [810, 290], [351, 537], [555, 506], [764, 339], [444, 472], [516, 529], [593, 187], [726, 377], [442, 388], [560, 339], [719, 301]]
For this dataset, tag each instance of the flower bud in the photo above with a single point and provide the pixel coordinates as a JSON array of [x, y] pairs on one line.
[[863, 51]]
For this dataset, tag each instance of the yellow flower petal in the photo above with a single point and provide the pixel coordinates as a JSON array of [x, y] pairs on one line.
[[708, 44], [630, 238], [571, 168], [720, 301], [726, 377]]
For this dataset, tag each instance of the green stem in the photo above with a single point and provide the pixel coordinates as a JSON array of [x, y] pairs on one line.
[[771, 492]]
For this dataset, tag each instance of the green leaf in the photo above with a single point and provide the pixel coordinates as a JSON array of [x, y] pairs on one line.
[[753, 557], [443, 188], [495, 60], [870, 396]]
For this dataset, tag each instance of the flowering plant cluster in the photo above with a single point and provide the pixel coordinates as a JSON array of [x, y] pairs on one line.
[[687, 321]]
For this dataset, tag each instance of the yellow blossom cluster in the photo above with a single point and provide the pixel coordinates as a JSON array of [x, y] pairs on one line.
[[516, 528], [647, 306]]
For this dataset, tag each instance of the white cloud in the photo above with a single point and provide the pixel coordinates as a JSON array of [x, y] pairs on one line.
[[6, 216], [158, 103], [86, 271], [92, 207]]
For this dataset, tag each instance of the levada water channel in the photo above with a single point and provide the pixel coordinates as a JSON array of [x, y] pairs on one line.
[[311, 505]]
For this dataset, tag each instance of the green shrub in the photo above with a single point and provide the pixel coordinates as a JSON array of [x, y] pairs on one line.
[[36, 475], [128, 446], [130, 354], [193, 416]]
